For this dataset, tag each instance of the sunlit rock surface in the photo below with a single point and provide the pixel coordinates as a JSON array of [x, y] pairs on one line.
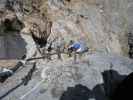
[[101, 24], [57, 77]]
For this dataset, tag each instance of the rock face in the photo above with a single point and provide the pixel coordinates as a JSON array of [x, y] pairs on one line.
[[100, 73], [102, 24]]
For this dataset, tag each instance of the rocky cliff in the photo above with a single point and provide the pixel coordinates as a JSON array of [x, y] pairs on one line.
[[102, 24]]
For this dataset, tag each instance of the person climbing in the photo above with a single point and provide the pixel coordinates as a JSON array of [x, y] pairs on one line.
[[76, 48]]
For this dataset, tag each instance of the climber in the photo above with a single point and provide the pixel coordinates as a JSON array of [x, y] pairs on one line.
[[76, 48]]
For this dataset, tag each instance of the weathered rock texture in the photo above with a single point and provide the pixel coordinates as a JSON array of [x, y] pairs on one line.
[[102, 24], [59, 76]]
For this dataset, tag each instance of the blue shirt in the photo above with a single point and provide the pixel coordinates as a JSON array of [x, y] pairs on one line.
[[76, 46]]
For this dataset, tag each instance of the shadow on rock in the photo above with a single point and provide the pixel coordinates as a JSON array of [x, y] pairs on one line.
[[105, 91], [112, 79], [12, 45], [125, 89], [115, 87], [79, 92], [99, 92]]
